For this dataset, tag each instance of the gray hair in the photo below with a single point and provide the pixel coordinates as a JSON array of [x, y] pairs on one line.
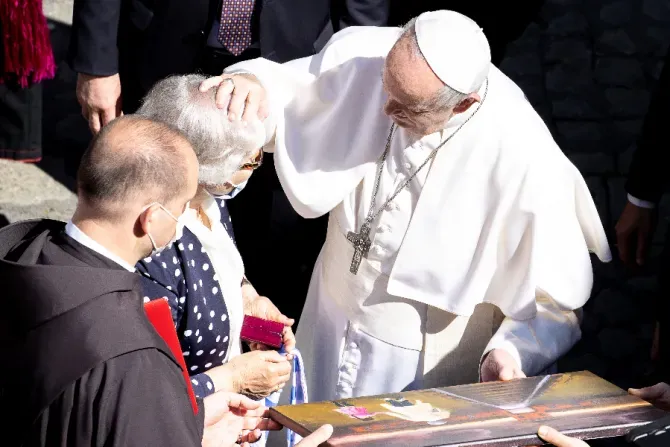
[[221, 145], [447, 98]]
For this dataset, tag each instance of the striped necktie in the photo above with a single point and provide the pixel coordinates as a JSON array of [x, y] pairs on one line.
[[235, 25]]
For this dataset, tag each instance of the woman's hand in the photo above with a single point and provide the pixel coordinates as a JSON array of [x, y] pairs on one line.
[[256, 374], [261, 307], [287, 338]]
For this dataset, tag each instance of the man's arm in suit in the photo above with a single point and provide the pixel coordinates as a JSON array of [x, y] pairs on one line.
[[646, 183], [94, 54], [346, 13], [93, 42], [647, 169]]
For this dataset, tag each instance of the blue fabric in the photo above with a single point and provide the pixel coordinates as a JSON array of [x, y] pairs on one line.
[[183, 275], [298, 392]]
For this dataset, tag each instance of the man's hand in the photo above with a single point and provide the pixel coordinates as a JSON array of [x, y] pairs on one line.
[[500, 365], [100, 99], [636, 224], [231, 418], [242, 94], [558, 439], [657, 395], [318, 437]]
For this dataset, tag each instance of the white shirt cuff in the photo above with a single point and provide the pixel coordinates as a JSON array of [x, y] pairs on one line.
[[641, 203], [505, 345]]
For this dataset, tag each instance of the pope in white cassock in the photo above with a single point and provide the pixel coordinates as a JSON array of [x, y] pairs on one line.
[[459, 235]]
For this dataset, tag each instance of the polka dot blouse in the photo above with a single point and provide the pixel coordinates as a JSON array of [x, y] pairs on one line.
[[182, 274]]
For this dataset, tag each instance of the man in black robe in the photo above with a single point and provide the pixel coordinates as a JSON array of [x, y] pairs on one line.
[[82, 365]]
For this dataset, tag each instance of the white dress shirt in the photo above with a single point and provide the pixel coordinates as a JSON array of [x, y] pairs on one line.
[[75, 233]]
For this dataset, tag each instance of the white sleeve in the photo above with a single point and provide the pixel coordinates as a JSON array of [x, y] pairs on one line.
[[537, 343], [282, 82], [641, 203]]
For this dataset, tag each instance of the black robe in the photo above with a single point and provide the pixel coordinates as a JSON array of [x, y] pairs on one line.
[[656, 434], [82, 365]]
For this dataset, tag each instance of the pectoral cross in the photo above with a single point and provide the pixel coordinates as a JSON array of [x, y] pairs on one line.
[[362, 243]]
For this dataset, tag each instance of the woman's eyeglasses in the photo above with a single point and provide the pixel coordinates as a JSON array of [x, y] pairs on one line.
[[253, 164]]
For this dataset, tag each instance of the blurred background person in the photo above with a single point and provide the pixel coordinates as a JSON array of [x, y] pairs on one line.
[[26, 59], [646, 184]]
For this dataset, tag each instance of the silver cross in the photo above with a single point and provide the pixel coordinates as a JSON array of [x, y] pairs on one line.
[[362, 243]]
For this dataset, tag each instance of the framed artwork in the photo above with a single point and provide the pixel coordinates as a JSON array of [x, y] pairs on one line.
[[494, 414]]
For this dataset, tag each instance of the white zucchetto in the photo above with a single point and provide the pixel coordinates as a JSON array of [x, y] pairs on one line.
[[455, 48]]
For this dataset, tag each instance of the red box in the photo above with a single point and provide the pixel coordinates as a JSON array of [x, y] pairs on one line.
[[258, 330]]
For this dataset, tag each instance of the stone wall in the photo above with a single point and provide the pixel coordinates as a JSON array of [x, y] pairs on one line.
[[589, 67]]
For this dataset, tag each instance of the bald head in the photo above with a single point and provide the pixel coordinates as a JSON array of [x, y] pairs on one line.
[[135, 159]]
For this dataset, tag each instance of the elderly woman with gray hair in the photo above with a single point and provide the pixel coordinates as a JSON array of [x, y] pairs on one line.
[[202, 275]]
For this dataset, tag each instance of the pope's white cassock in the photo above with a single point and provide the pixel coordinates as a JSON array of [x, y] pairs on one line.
[[488, 247]]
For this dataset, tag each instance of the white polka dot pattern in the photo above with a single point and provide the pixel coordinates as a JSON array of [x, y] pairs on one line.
[[185, 276]]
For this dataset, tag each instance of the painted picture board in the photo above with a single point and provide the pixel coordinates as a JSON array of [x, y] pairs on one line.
[[494, 414]]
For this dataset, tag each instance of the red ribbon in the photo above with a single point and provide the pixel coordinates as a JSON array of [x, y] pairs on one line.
[[158, 313]]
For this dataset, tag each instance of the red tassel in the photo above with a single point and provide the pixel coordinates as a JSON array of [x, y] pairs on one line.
[[28, 57]]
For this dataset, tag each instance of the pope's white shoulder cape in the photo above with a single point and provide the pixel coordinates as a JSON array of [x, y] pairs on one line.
[[503, 215]]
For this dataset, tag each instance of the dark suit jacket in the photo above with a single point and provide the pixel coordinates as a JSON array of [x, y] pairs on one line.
[[648, 169], [147, 40]]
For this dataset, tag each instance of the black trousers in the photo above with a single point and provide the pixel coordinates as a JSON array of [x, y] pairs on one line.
[[21, 122]]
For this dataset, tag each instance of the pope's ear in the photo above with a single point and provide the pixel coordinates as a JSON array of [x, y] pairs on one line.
[[467, 103]]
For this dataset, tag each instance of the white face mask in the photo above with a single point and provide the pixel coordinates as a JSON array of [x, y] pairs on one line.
[[179, 230], [230, 194]]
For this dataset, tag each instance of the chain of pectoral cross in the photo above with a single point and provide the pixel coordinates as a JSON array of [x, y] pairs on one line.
[[361, 240]]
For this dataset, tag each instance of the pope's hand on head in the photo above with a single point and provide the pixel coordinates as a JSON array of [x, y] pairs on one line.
[[500, 365], [242, 94]]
